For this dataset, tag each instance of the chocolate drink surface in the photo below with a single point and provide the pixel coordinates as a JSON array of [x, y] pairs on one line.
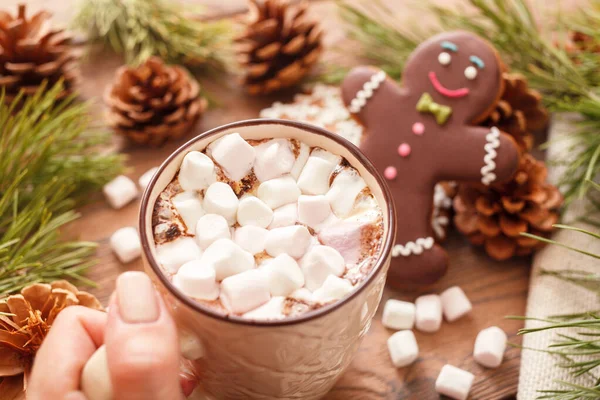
[[266, 229]]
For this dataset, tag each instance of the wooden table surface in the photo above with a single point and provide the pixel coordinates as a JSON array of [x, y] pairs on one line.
[[495, 289]]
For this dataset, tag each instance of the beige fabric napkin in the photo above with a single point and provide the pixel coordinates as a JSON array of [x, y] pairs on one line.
[[551, 296]]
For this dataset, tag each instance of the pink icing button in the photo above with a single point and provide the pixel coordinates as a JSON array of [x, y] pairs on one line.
[[404, 150], [390, 173], [418, 128]]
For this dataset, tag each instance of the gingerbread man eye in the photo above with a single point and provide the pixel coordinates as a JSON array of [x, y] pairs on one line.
[[470, 72], [444, 58]]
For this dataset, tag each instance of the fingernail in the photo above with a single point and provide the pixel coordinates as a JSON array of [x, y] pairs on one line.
[[75, 396], [136, 298]]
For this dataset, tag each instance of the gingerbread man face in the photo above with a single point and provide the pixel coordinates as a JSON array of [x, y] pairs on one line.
[[459, 70], [422, 132]]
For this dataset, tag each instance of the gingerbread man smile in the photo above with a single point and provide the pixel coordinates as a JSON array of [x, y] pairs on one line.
[[423, 132]]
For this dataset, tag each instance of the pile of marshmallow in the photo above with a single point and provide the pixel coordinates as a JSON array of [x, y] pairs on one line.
[[253, 252], [426, 316]]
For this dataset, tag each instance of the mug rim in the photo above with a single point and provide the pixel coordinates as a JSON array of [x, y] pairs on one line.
[[313, 314]]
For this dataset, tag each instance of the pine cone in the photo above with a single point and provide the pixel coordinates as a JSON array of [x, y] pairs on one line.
[[519, 111], [22, 334], [154, 102], [279, 46], [494, 217], [32, 52]]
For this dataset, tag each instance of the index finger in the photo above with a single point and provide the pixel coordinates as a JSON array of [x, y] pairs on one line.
[[75, 335]]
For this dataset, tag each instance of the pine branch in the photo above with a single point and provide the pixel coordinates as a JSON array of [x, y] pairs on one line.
[[50, 164], [142, 28]]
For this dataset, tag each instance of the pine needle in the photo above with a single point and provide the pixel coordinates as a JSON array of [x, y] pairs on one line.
[[50, 163], [143, 28]]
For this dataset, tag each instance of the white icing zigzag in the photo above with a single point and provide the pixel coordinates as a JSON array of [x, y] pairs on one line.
[[493, 142], [367, 91], [416, 247]]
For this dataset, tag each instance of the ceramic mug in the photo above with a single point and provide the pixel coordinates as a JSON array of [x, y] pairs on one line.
[[295, 358]]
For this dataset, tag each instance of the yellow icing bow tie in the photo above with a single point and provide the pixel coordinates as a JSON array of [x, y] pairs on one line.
[[427, 105]]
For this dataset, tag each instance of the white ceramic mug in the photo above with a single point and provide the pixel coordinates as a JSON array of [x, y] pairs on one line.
[[295, 358]]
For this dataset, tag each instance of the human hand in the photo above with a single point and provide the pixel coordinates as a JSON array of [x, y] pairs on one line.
[[141, 344]]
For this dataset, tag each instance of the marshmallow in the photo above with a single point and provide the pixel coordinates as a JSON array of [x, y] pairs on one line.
[[95, 377], [346, 238], [234, 155], [455, 303], [227, 258], [144, 180], [189, 207], [303, 155], [313, 210], [120, 191], [253, 211], [220, 199], [174, 254], [284, 275], [278, 192], [210, 228], [292, 240], [251, 238], [245, 291], [314, 178], [428, 313], [398, 315], [190, 346], [284, 216], [302, 294], [197, 171], [333, 288], [274, 158], [198, 280], [125, 242], [489, 347], [403, 348], [272, 309], [343, 192], [454, 382], [320, 262]]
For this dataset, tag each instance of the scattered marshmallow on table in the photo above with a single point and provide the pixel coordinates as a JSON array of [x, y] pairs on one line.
[[125, 242], [278, 192], [251, 238], [292, 240], [120, 191], [489, 347], [234, 155], [274, 158], [343, 192], [197, 279], [227, 258], [403, 348], [284, 275], [245, 291], [398, 315], [284, 216], [144, 180], [314, 178], [333, 288], [175, 253], [272, 309], [210, 228], [197, 171], [428, 313], [455, 303], [253, 211], [189, 207], [300, 160], [454, 382], [320, 262], [313, 210], [220, 199]]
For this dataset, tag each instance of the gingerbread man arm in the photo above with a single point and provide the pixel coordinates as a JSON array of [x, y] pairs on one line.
[[487, 155]]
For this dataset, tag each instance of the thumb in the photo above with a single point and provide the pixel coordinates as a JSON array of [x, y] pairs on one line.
[[141, 342]]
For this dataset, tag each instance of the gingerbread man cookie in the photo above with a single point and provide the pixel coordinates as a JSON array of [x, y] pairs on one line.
[[423, 133]]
